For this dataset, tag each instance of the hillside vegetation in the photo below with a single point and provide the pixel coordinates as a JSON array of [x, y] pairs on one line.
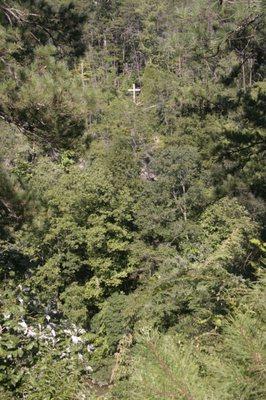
[[132, 239]]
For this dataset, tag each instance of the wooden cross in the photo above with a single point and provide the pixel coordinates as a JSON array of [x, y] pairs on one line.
[[134, 90]]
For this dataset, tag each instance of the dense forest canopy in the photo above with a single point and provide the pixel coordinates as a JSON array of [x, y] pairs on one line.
[[132, 239]]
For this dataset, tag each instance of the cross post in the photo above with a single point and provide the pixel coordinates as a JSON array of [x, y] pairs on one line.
[[134, 90]]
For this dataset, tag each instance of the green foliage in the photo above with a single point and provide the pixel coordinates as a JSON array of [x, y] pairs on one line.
[[62, 378], [131, 233], [30, 339], [86, 239], [169, 367]]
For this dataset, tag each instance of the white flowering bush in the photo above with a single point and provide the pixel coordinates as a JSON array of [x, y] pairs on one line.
[[31, 338]]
